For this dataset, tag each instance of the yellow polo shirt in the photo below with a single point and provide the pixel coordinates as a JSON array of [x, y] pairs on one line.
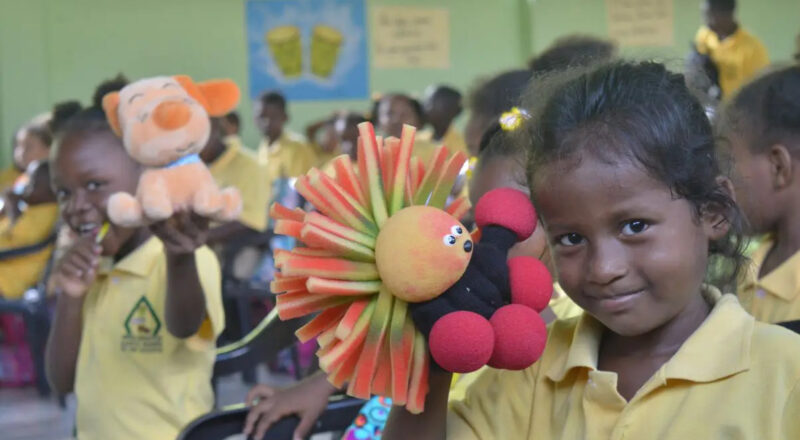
[[134, 380], [561, 305], [239, 168], [775, 297], [8, 176], [733, 378], [34, 226], [453, 140], [738, 57], [287, 157]]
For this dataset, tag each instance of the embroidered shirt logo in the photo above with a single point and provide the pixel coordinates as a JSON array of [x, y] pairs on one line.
[[142, 328]]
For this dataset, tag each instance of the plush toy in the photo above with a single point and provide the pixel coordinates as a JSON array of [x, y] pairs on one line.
[[392, 272], [164, 124]]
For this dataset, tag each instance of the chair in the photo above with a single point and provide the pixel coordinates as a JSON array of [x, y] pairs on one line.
[[217, 425], [34, 310], [270, 337]]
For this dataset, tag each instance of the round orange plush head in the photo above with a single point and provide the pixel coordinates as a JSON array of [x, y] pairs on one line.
[[421, 251]]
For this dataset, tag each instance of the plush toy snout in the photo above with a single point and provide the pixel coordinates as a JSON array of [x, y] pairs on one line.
[[171, 115]]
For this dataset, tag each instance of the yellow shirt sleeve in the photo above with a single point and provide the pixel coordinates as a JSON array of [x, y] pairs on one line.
[[496, 406], [791, 428], [756, 60], [210, 278]]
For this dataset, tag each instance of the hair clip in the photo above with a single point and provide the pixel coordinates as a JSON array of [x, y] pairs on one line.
[[512, 119]]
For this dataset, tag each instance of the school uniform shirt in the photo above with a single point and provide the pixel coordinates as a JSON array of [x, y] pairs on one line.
[[34, 225], [775, 296], [424, 150], [8, 176], [561, 305], [452, 139], [287, 157], [738, 57], [239, 168], [734, 378], [134, 380]]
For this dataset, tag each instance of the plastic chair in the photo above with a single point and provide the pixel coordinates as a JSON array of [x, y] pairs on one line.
[[217, 425], [264, 342]]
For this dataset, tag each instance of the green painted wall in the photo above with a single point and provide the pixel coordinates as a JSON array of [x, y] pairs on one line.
[[52, 50]]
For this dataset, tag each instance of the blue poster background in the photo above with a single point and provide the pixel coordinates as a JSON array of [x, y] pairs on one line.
[[308, 49]]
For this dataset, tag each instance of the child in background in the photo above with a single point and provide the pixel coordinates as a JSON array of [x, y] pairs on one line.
[[321, 137], [761, 125], [138, 310], [284, 154], [32, 226], [442, 105], [624, 176], [9, 175], [396, 109], [231, 164], [231, 124], [345, 126], [31, 143]]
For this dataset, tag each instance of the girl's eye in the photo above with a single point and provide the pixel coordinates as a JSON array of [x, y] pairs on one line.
[[456, 230], [93, 185], [571, 239], [449, 240], [634, 227], [61, 194]]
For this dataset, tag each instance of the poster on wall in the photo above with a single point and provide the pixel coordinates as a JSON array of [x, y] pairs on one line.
[[410, 37], [641, 22], [308, 49]]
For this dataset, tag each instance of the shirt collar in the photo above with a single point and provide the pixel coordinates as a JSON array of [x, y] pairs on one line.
[[141, 261], [232, 146], [783, 281], [720, 347]]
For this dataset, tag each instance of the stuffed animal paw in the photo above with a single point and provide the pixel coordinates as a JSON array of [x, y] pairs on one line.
[[490, 316]]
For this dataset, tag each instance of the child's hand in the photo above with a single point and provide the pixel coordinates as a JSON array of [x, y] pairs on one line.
[[182, 233], [307, 400], [77, 269]]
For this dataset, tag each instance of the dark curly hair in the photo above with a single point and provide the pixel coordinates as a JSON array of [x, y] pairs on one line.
[[642, 112]]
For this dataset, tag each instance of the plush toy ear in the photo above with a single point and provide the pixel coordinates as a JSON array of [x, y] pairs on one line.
[[110, 106], [191, 88], [222, 96]]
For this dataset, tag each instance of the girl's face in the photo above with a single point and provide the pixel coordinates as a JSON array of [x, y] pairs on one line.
[[393, 113], [87, 168], [626, 250], [753, 184]]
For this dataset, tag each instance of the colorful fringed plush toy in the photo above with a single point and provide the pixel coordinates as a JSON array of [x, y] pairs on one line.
[[163, 122], [395, 276]]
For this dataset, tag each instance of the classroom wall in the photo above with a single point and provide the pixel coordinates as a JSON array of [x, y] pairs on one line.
[[53, 50]]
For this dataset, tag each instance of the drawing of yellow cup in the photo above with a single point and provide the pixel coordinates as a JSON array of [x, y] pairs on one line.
[[284, 43], [325, 44]]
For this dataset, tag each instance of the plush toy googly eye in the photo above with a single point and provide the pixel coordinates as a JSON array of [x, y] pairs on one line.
[[449, 240], [456, 230]]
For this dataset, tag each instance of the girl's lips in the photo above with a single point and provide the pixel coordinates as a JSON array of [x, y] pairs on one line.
[[619, 303]]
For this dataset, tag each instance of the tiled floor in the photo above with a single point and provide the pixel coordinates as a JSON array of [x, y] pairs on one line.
[[26, 416]]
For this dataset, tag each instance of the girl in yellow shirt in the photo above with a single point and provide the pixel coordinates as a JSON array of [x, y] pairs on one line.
[[625, 178], [761, 125], [138, 310]]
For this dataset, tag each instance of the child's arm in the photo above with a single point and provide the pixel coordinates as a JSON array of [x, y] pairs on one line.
[[307, 399], [185, 307], [74, 274], [430, 424]]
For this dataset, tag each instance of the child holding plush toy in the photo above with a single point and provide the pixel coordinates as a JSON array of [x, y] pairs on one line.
[[138, 309], [625, 178]]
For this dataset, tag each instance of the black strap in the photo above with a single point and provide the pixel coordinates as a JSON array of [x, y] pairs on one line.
[[26, 250]]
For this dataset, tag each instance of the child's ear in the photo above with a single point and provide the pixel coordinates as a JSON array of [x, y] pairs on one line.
[[782, 166], [111, 107], [222, 96], [715, 217]]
